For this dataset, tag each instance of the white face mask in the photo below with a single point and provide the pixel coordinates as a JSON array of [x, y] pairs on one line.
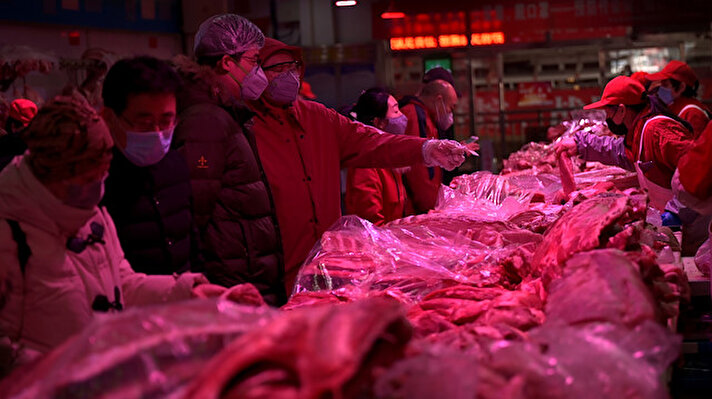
[[283, 89], [444, 118], [396, 125], [253, 84], [147, 148], [85, 196]]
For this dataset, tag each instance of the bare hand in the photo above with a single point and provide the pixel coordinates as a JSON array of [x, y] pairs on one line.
[[204, 291]]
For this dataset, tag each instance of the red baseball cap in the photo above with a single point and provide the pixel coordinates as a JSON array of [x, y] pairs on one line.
[[22, 111], [620, 90], [640, 76], [677, 70]]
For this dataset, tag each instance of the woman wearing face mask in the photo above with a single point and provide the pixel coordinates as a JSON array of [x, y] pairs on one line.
[[676, 85], [59, 253], [378, 195], [652, 142]]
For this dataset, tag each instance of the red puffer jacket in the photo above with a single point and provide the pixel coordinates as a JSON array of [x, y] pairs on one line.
[[377, 195]]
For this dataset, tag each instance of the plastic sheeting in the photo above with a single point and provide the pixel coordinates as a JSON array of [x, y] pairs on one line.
[[413, 257], [142, 352]]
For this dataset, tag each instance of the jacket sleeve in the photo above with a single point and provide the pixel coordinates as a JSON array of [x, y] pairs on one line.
[[696, 117], [672, 143], [604, 149], [363, 146], [364, 195], [10, 283], [702, 206], [141, 289], [695, 167]]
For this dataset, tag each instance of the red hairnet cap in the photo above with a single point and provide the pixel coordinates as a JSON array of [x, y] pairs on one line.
[[306, 91], [677, 70], [640, 76], [620, 90], [22, 111]]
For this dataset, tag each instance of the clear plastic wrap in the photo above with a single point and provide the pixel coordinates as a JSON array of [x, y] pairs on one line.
[[411, 257], [492, 197], [142, 352]]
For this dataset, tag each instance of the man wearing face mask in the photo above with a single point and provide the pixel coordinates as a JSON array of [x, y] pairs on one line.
[[653, 139], [58, 251], [676, 85], [303, 146], [148, 189], [428, 113], [232, 203], [377, 194]]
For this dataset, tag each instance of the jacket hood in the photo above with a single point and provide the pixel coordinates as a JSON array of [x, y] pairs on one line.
[[273, 46], [201, 85], [25, 199]]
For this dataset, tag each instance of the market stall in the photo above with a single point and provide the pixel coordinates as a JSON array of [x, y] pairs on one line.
[[544, 281]]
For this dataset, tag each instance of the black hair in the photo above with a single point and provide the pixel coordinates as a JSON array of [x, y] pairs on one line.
[[690, 91], [373, 103], [138, 75], [658, 107]]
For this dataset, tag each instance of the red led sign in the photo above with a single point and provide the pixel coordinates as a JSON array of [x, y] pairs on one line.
[[444, 41]]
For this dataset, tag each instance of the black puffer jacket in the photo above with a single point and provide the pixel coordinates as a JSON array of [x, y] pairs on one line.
[[232, 205], [151, 210]]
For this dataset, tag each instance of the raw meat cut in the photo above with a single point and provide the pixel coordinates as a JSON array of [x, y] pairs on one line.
[[586, 226], [567, 174], [612, 279], [142, 352], [309, 354]]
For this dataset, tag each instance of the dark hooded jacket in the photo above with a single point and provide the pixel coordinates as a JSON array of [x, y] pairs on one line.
[[232, 204]]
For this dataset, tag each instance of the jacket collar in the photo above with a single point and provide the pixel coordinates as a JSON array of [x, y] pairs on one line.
[[26, 199]]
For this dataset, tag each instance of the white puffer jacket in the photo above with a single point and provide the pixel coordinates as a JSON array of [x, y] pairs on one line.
[[53, 299]]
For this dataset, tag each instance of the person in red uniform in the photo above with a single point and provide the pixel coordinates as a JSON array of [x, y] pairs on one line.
[[692, 182], [692, 185], [652, 141], [431, 111], [303, 145], [377, 194], [677, 86]]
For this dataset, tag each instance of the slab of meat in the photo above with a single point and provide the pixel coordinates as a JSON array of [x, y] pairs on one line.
[[601, 286], [567, 173], [588, 225], [433, 374], [142, 352], [324, 351]]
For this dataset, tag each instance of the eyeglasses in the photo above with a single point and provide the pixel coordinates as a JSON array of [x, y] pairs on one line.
[[254, 60], [150, 125], [283, 67]]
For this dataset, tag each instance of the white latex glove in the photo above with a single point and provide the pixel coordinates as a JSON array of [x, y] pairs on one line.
[[448, 154]]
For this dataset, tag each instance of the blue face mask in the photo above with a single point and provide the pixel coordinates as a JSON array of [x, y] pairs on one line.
[[396, 125], [665, 95], [147, 148], [85, 196]]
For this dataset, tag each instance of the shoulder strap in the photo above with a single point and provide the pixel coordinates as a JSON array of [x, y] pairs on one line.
[[642, 133], [23, 250]]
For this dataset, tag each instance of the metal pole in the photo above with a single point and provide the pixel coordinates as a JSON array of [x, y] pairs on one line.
[[472, 93], [273, 18], [502, 129]]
